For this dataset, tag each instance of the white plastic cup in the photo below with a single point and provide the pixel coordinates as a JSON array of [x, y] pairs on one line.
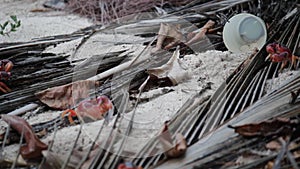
[[244, 32]]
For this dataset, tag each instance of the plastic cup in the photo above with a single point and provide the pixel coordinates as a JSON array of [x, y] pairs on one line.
[[244, 32]]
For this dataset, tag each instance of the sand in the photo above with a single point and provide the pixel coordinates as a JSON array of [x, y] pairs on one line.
[[38, 24]]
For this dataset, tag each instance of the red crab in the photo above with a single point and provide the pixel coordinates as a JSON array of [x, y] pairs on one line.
[[92, 109], [5, 68], [280, 53], [128, 165]]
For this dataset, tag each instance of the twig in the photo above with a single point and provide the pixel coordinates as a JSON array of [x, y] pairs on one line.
[[281, 153], [20, 145], [24, 109], [71, 151], [129, 128], [110, 139], [50, 145], [292, 159], [6, 136], [91, 147], [82, 42]]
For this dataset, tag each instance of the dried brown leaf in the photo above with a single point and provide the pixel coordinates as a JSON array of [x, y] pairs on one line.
[[199, 34], [273, 145], [269, 165], [246, 158], [172, 150], [279, 126], [66, 96], [173, 70], [33, 147], [168, 36]]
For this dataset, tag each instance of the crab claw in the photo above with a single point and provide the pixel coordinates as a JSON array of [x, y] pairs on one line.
[[104, 103], [294, 61], [71, 113], [106, 108], [9, 65], [4, 88], [270, 48], [6, 65], [128, 165]]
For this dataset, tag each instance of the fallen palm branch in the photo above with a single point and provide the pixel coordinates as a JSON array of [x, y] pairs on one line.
[[36, 45], [243, 89], [45, 80], [268, 106]]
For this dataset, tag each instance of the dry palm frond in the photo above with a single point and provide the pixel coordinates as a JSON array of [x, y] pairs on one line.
[[244, 89], [243, 92]]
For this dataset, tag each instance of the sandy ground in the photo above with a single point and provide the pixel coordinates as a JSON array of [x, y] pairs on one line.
[[211, 66], [37, 21]]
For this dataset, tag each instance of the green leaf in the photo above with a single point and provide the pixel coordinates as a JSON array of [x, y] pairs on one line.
[[12, 26], [18, 23], [5, 24], [14, 18]]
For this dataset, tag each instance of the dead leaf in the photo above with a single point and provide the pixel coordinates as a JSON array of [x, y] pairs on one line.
[[269, 165], [42, 133], [174, 70], [66, 96], [172, 150], [168, 36], [273, 145], [34, 146], [296, 154], [246, 158], [200, 33], [278, 126]]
